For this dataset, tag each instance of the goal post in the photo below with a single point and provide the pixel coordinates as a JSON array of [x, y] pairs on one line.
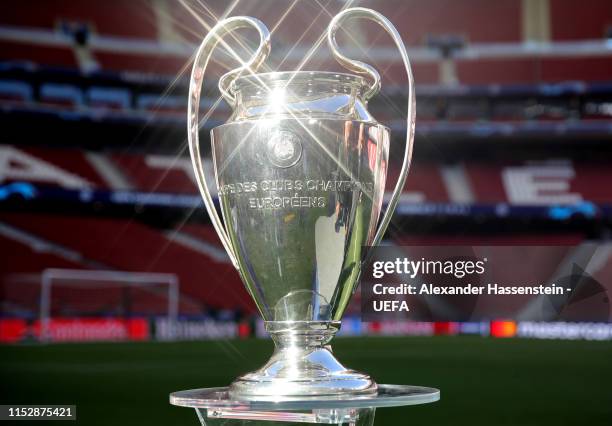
[[83, 279]]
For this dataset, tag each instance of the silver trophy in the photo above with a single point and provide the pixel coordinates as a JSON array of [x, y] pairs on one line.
[[300, 168]]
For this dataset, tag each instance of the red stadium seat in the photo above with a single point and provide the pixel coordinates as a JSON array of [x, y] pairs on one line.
[[130, 246], [424, 72], [69, 161], [425, 182], [477, 21], [533, 70], [19, 258], [576, 69], [20, 288], [192, 24], [155, 177], [498, 71], [21, 295], [143, 63], [572, 20], [137, 17], [54, 56]]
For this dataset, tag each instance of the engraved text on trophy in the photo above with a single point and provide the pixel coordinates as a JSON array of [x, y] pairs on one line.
[[283, 194]]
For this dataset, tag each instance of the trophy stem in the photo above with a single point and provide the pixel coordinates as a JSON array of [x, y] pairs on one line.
[[301, 334], [302, 365]]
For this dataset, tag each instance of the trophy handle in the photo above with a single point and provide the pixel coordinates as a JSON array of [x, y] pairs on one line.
[[202, 57], [363, 68]]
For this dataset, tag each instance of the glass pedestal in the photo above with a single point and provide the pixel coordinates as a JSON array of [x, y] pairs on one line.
[[215, 407]]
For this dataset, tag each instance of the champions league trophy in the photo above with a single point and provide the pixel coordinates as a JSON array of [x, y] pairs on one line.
[[300, 169]]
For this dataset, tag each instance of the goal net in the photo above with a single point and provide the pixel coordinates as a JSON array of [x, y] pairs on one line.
[[71, 293]]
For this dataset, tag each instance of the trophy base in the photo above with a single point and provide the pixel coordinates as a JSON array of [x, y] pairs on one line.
[[319, 374], [302, 366], [216, 406]]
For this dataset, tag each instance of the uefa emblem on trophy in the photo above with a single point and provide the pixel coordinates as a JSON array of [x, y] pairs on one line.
[[300, 168]]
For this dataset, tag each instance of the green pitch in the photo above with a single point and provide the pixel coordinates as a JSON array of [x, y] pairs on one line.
[[483, 381]]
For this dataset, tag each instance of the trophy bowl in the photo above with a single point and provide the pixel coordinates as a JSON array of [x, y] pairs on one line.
[[300, 168]]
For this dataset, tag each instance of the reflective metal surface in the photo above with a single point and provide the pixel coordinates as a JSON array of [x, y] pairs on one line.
[[302, 365], [300, 196], [300, 167]]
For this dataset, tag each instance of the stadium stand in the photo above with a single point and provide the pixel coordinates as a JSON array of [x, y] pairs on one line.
[[93, 109]]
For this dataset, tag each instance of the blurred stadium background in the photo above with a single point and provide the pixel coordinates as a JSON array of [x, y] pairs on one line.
[[104, 238]]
